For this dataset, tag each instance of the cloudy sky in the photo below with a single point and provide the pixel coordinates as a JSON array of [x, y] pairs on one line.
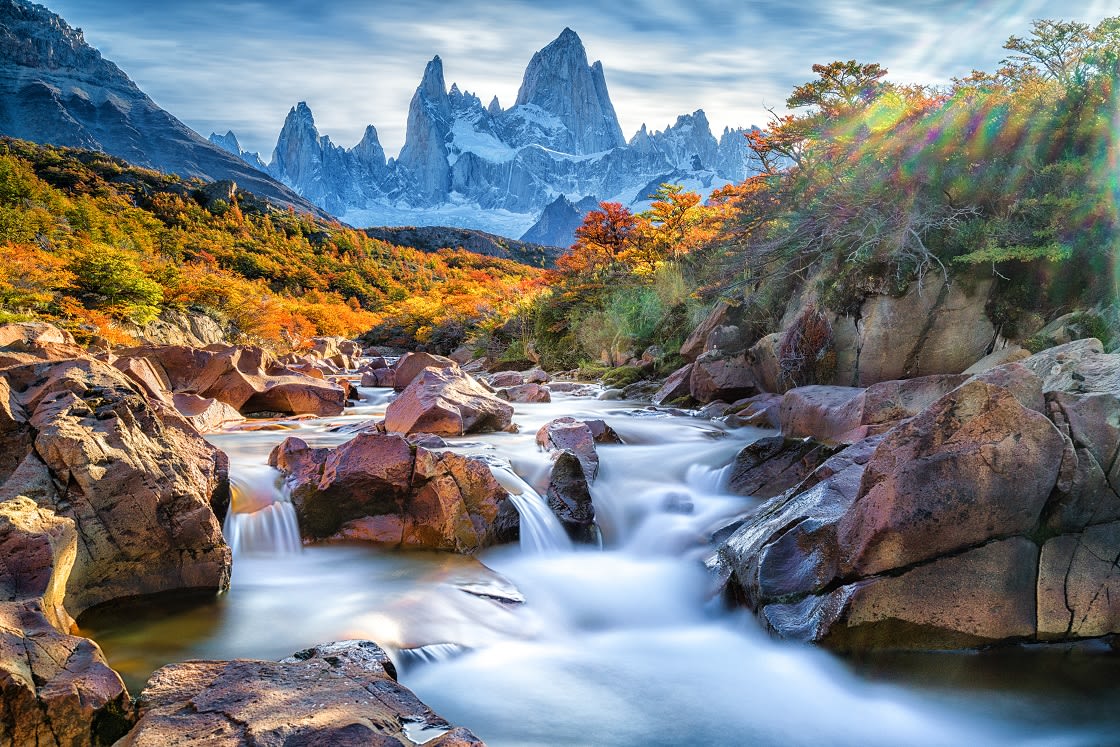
[[241, 64]]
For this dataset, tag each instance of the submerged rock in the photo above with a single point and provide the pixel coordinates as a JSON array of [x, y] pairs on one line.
[[336, 694]]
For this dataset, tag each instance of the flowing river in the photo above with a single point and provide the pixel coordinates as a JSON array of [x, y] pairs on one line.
[[548, 644]]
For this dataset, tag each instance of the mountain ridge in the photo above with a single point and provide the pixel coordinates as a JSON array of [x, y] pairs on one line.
[[57, 89]]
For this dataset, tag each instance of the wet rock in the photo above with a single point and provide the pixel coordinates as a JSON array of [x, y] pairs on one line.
[[773, 465], [569, 498], [526, 393], [979, 597], [340, 694], [410, 365], [448, 403], [138, 481], [601, 432], [677, 386], [568, 434]]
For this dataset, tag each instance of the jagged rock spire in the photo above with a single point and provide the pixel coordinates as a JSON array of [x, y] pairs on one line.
[[429, 120], [559, 81]]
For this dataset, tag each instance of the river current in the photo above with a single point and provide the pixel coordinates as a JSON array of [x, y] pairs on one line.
[[627, 644]]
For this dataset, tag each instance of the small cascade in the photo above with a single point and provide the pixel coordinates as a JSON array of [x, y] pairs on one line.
[[430, 654], [708, 480], [541, 531], [261, 517]]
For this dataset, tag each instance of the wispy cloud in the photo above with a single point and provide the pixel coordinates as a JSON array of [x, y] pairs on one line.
[[242, 64]]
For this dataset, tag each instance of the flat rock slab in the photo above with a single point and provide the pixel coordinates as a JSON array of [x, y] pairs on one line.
[[337, 694]]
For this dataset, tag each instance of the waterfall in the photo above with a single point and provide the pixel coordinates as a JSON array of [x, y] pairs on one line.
[[541, 531], [261, 517]]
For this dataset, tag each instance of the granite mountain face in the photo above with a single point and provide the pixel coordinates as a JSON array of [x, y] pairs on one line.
[[463, 164], [497, 169], [56, 89]]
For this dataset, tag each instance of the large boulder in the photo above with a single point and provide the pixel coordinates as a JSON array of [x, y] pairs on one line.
[[447, 402], [773, 465], [341, 694], [379, 488], [248, 379], [411, 365], [138, 481], [697, 342], [568, 434], [32, 342], [989, 516], [57, 688]]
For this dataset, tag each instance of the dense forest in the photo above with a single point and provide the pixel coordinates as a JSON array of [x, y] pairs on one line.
[[101, 247]]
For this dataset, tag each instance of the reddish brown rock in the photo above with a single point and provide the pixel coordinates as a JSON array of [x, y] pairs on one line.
[[378, 377], [526, 393], [376, 488], [569, 434], [982, 596], [974, 465], [676, 387], [696, 343], [138, 481], [25, 336], [760, 411], [411, 365], [340, 694], [1079, 584], [56, 688], [505, 378], [246, 378], [206, 414], [537, 376], [448, 403]]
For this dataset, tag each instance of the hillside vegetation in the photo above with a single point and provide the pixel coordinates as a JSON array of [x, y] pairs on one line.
[[867, 187], [100, 247]]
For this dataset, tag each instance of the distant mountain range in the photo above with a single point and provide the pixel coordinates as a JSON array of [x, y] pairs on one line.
[[532, 170], [558, 147], [56, 89]]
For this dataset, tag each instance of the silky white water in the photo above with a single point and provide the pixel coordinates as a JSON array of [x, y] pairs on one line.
[[549, 644]]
